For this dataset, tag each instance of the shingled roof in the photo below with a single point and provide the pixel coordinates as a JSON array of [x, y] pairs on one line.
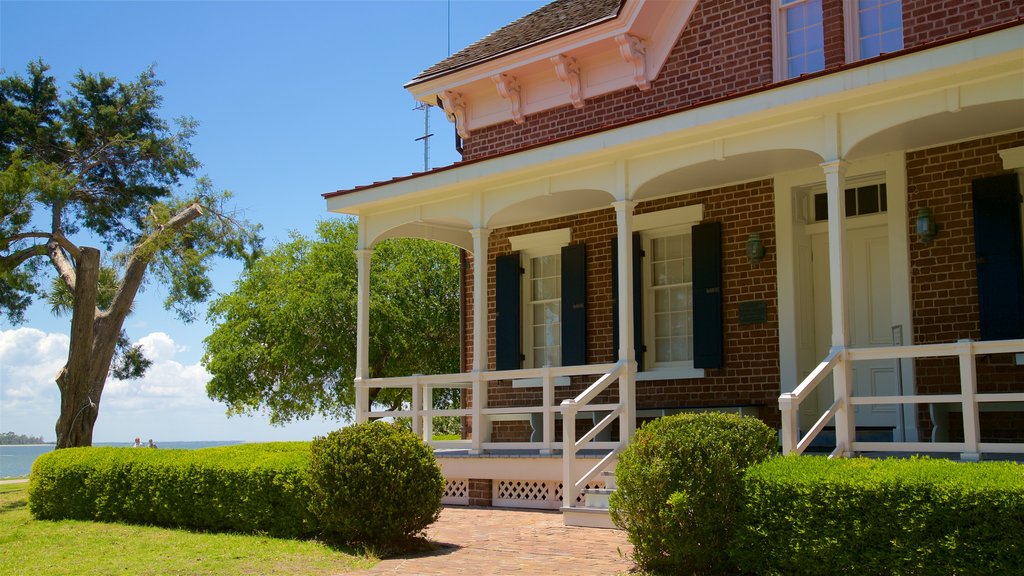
[[551, 20]]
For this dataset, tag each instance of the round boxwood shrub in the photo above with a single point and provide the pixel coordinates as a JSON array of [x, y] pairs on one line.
[[376, 484], [680, 489]]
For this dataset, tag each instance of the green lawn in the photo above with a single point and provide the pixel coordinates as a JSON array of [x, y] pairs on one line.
[[41, 548]]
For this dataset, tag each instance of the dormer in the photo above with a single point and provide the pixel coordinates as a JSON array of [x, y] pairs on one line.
[[562, 54]]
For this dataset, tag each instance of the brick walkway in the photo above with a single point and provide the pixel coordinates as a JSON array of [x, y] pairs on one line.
[[481, 541]]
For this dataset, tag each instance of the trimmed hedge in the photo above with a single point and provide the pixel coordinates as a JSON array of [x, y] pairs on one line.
[[864, 517], [680, 489], [246, 488], [374, 483]]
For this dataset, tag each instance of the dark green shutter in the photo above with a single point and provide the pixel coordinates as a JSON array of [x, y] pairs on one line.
[[638, 307], [997, 243], [707, 295], [508, 312], [638, 301], [574, 305]]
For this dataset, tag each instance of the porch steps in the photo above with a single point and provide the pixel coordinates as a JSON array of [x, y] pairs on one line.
[[594, 512]]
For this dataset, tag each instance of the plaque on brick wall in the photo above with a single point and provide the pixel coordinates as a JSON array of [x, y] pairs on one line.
[[753, 312]]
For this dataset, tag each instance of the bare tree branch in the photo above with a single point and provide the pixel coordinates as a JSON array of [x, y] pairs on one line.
[[15, 260], [64, 267], [140, 257], [25, 236]]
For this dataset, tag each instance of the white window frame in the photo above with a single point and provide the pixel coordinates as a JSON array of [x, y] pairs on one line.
[[851, 23], [532, 246], [779, 38], [655, 225], [527, 288]]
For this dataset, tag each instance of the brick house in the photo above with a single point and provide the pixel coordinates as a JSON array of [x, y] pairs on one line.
[[803, 210]]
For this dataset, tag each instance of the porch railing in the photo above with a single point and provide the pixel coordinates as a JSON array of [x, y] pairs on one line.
[[844, 406], [421, 409], [572, 483]]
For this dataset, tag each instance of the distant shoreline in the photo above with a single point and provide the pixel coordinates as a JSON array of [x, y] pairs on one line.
[[43, 444]]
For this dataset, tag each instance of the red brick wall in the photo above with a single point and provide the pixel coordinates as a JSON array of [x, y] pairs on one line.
[[833, 23], [726, 49], [751, 372], [930, 20], [943, 274]]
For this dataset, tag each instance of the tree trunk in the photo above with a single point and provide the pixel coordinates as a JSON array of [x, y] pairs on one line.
[[91, 352]]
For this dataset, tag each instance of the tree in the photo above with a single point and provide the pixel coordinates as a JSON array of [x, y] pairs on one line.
[[285, 339], [101, 166]]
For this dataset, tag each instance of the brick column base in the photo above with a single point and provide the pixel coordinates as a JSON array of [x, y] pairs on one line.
[[479, 492]]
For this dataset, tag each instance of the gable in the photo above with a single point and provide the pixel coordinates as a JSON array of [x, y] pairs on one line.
[[512, 74]]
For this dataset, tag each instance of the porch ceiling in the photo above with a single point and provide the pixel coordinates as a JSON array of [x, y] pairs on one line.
[[551, 205], [715, 173], [937, 129]]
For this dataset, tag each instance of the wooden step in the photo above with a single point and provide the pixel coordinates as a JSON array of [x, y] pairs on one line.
[[587, 517]]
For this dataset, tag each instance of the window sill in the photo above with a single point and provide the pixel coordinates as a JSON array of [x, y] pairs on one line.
[[670, 374], [539, 382]]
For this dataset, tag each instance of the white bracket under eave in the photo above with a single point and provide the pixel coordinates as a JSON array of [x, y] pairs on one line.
[[568, 71], [508, 88], [634, 51], [455, 108]]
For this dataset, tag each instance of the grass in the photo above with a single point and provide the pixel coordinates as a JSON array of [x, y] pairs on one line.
[[42, 548]]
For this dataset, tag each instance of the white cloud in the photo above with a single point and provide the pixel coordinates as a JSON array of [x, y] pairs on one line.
[[168, 403], [29, 362]]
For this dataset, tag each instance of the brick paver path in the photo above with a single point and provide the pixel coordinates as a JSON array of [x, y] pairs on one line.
[[480, 541]]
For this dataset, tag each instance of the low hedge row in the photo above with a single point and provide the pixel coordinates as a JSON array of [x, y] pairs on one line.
[[246, 488], [858, 516]]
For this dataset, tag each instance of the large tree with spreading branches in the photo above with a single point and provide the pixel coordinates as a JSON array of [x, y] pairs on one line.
[[98, 165], [285, 338]]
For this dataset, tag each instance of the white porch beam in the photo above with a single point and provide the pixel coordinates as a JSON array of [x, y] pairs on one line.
[[842, 376], [627, 378], [362, 333], [481, 425]]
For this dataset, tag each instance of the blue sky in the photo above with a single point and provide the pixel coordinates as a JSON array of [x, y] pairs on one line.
[[293, 99]]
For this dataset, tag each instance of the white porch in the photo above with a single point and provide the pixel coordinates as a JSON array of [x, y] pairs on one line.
[[819, 134]]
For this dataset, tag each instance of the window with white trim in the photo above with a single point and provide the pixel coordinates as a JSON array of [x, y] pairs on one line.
[[668, 298], [543, 322], [873, 27], [799, 37]]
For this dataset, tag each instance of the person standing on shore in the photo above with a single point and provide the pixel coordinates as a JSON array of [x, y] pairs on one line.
[[151, 443], [138, 443]]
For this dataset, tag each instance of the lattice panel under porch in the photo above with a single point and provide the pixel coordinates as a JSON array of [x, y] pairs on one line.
[[456, 492], [581, 496], [524, 494]]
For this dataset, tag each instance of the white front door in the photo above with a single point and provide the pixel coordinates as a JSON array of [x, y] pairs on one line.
[[870, 316]]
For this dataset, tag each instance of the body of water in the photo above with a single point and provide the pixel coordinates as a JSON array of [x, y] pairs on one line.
[[17, 461]]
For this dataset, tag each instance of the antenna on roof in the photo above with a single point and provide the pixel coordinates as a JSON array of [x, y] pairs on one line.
[[426, 107], [426, 134]]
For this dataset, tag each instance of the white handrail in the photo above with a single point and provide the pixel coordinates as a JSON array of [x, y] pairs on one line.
[[571, 486], [968, 398]]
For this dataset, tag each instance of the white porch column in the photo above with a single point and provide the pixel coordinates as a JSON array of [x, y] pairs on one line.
[[362, 334], [481, 425], [627, 380], [842, 376]]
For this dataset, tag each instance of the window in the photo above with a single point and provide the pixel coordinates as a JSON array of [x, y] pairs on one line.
[[677, 294], [860, 201], [668, 286], [799, 38], [543, 309], [541, 303], [874, 27]]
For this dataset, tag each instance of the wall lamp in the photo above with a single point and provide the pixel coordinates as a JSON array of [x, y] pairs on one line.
[[925, 226], [755, 248]]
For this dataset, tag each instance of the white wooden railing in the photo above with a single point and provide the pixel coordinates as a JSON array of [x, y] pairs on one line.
[[422, 411], [843, 408], [572, 483]]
